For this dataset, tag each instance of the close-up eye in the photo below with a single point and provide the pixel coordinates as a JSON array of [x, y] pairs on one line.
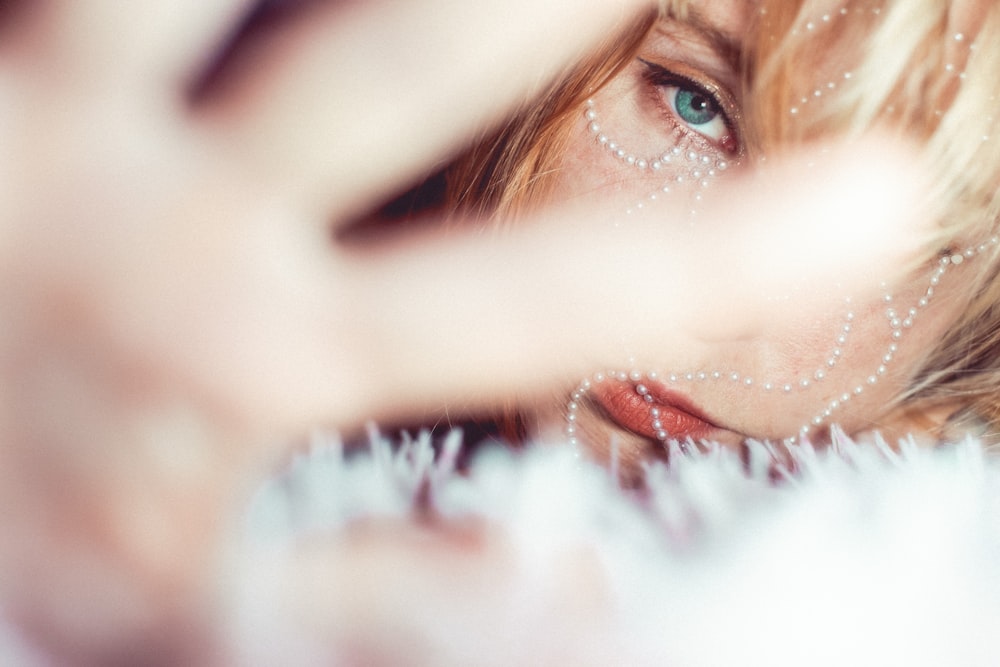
[[694, 105]]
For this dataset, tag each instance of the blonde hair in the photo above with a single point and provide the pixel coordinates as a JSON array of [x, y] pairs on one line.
[[924, 69]]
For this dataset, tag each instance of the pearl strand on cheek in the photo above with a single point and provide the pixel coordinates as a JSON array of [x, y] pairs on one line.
[[689, 169], [692, 160], [899, 322]]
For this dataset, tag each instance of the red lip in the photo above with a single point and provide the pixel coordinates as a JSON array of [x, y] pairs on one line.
[[679, 418]]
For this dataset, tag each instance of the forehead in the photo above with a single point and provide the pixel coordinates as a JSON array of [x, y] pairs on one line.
[[728, 17], [716, 28]]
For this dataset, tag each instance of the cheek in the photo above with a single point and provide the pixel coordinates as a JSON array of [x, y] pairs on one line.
[[860, 359], [612, 159]]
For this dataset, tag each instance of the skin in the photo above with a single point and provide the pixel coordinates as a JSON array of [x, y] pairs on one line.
[[640, 116]]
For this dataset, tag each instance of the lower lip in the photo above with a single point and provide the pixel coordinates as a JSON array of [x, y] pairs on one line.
[[630, 410]]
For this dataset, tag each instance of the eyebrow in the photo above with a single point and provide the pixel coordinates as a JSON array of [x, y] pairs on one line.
[[726, 44]]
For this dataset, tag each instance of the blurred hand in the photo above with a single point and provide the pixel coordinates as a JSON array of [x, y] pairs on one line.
[[173, 306]]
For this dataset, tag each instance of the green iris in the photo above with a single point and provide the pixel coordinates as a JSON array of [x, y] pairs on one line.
[[695, 107]]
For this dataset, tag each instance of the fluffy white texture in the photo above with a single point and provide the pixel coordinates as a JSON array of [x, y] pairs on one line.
[[863, 556]]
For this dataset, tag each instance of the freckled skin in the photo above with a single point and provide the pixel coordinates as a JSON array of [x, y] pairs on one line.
[[791, 348]]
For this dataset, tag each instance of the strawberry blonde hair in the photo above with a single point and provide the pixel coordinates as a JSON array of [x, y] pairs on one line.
[[923, 69]]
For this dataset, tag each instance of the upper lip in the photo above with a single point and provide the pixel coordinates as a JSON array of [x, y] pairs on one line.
[[680, 418]]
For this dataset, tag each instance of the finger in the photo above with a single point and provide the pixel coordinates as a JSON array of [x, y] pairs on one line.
[[131, 45], [260, 324], [477, 323], [190, 35], [365, 95]]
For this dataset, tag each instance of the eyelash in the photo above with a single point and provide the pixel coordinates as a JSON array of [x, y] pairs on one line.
[[670, 85]]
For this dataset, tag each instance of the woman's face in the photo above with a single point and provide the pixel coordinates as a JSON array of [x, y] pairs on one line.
[[666, 127]]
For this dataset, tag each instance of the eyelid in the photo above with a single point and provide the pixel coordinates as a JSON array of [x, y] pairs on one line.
[[679, 74]]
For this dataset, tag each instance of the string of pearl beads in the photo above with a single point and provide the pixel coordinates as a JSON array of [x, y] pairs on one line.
[[898, 321], [699, 165]]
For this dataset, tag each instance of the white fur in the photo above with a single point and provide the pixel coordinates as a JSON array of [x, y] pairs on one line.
[[864, 556]]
